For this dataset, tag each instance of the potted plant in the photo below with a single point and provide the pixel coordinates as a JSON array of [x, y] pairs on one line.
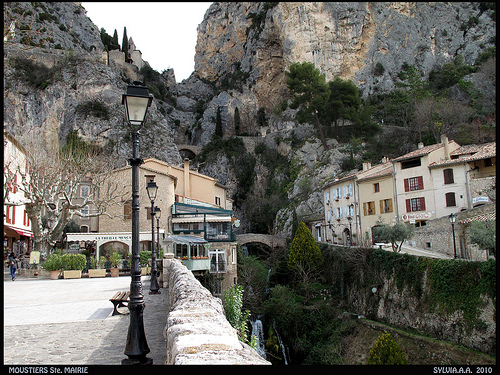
[[53, 264], [145, 256], [73, 264], [94, 271], [114, 258]]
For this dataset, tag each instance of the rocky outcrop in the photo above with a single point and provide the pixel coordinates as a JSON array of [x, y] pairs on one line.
[[347, 40], [197, 331]]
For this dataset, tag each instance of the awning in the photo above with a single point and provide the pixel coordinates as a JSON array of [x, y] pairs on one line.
[[186, 240], [200, 219], [19, 231]]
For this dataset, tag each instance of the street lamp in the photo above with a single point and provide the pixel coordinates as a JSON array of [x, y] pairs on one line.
[[137, 101], [152, 191], [157, 253], [350, 230], [453, 219]]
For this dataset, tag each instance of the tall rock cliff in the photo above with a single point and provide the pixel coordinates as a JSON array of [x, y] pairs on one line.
[[345, 40], [57, 80]]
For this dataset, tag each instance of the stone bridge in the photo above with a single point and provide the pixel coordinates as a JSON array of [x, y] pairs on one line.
[[266, 239], [189, 151]]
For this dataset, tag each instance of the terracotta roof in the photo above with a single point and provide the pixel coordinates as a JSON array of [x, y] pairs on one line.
[[386, 170], [490, 216], [473, 152], [419, 152]]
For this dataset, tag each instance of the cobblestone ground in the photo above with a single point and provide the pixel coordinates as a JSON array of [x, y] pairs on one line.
[[69, 322]]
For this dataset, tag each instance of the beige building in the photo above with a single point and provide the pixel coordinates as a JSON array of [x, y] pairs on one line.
[[416, 199], [375, 187]]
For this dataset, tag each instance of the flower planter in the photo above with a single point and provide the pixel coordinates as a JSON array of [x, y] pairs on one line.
[[115, 272], [72, 274], [97, 273], [54, 275]]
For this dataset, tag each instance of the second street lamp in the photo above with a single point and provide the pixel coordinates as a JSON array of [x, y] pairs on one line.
[[453, 219], [157, 253], [152, 191]]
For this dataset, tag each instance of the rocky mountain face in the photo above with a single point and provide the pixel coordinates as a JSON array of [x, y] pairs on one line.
[[56, 80]]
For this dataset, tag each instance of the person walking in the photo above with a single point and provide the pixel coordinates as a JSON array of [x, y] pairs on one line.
[[13, 265]]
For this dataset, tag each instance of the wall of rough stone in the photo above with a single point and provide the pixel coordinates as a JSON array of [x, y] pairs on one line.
[[197, 331], [399, 307]]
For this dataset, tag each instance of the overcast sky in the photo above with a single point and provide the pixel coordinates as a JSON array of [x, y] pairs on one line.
[[165, 33]]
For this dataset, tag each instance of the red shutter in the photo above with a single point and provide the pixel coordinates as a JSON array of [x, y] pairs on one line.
[[13, 215], [422, 204], [420, 182], [407, 186], [408, 205]]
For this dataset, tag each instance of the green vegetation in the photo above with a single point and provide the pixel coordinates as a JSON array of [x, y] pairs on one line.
[[386, 351], [484, 235], [233, 302]]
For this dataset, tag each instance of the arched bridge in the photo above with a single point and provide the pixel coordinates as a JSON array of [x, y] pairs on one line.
[[189, 151], [266, 239]]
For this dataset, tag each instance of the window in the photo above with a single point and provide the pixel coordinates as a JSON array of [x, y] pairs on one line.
[[327, 197], [328, 215], [414, 183], [84, 191], [385, 205], [85, 212], [10, 215], [415, 204], [488, 162], [369, 208], [376, 187], [410, 163], [448, 176], [127, 210], [450, 200], [217, 201], [217, 261], [26, 220], [181, 250]]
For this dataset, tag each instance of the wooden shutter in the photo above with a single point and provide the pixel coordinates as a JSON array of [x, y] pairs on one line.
[[389, 201], [407, 185], [364, 209], [422, 204], [420, 182], [408, 205], [382, 206]]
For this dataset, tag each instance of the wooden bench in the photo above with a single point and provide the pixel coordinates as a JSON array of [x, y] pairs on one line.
[[118, 300]]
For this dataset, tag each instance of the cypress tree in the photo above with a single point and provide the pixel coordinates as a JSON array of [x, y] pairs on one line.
[[115, 44], [218, 124], [237, 121], [125, 44]]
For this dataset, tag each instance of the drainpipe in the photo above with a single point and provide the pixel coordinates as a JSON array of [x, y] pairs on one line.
[[395, 192], [467, 188]]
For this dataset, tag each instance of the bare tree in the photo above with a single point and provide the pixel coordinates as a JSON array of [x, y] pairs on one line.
[[51, 185]]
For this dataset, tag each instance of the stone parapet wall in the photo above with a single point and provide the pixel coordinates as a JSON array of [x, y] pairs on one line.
[[197, 331]]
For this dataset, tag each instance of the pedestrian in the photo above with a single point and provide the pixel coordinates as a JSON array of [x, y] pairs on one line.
[[13, 265]]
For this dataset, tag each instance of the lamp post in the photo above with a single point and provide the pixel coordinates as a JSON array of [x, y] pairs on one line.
[[152, 191], [453, 219], [157, 253], [350, 230], [137, 100]]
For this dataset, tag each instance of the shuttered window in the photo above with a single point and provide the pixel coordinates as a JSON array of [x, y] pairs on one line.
[[450, 200], [415, 204], [448, 176], [414, 183]]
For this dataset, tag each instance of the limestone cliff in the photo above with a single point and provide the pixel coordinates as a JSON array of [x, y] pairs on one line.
[[346, 39]]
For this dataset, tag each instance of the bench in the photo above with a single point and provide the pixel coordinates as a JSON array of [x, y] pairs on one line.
[[118, 300]]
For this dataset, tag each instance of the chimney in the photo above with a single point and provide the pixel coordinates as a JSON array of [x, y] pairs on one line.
[[420, 145], [187, 189], [444, 141], [366, 165]]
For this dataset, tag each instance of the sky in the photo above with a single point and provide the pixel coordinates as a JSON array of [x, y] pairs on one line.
[[164, 32]]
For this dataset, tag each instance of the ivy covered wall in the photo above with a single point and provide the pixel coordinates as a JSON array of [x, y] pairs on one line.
[[452, 300]]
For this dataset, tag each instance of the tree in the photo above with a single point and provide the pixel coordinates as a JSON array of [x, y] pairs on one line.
[[125, 44], [484, 235], [233, 303], [311, 94], [343, 103], [305, 256], [386, 351], [399, 232], [237, 121], [218, 124], [52, 187]]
